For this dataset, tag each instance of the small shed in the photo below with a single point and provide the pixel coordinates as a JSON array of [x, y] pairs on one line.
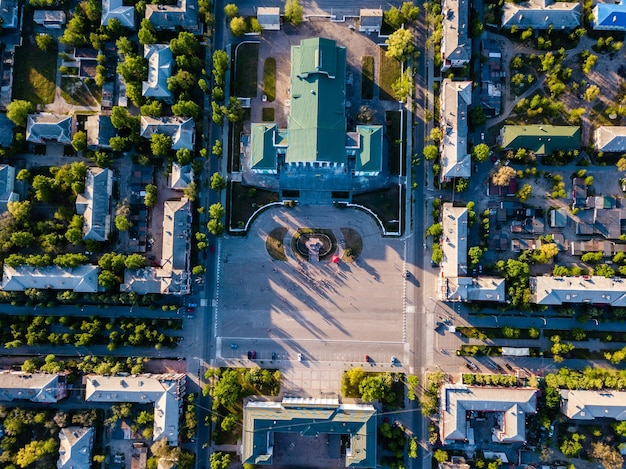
[[371, 20], [50, 19], [269, 18]]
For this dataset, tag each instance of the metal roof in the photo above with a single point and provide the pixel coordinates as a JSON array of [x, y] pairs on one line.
[[83, 278], [456, 96], [609, 16], [45, 127], [37, 387], [541, 14], [160, 60], [456, 44], [589, 405], [610, 139], [180, 129], [454, 240], [75, 445], [586, 289], [183, 15], [116, 9], [370, 151], [541, 139], [95, 204]]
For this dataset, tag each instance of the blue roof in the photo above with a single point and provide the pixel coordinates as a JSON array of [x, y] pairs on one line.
[[608, 16]]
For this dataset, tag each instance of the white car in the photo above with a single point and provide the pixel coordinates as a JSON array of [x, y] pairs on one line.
[[299, 357]]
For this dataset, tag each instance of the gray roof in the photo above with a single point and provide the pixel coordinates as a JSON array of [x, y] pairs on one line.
[[160, 60], [183, 15], [44, 127], [541, 14], [156, 280], [9, 13], [176, 234], [116, 9], [456, 96], [454, 240], [513, 403], [6, 130], [308, 417], [99, 131], [49, 17], [38, 387], [181, 176], [456, 46], [474, 289], [80, 279], [610, 139], [7, 186], [587, 289], [95, 204], [269, 18], [164, 391], [590, 405], [181, 129], [371, 18], [75, 445]]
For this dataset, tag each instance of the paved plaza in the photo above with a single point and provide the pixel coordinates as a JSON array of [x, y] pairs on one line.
[[332, 314]]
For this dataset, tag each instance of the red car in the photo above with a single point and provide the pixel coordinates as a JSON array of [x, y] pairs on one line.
[[254, 354], [190, 309], [367, 358]]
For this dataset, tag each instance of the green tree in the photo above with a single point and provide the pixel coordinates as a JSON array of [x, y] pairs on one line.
[[35, 450], [79, 141], [231, 10], [220, 460], [591, 93], [182, 81], [186, 108], [147, 33], [477, 116], [215, 227], [191, 191], [122, 223], [440, 456], [123, 45], [44, 41], [152, 108], [431, 152], [480, 152], [234, 112], [403, 87], [293, 12], [216, 211], [475, 253], [218, 182], [160, 144], [572, 446], [18, 111], [135, 261], [400, 44], [524, 193], [238, 26], [150, 198], [19, 210], [133, 69]]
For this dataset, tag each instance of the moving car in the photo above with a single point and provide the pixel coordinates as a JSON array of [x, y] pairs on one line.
[[234, 346]]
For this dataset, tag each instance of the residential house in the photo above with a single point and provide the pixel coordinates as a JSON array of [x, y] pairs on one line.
[[493, 75], [173, 276], [99, 131], [181, 16], [181, 176], [268, 18], [541, 15], [315, 153], [9, 14], [160, 60], [610, 139], [540, 139], [115, 9], [75, 444], [456, 462], [50, 19], [182, 130], [82, 279], [553, 291], [7, 186], [313, 418], [456, 96], [609, 16], [456, 45], [608, 248], [95, 204], [603, 215], [38, 387], [475, 289], [139, 456], [591, 405], [512, 407], [46, 128], [165, 391], [559, 217], [579, 193], [370, 20]]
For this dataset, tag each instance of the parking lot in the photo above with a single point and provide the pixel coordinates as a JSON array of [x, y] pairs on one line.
[[332, 314]]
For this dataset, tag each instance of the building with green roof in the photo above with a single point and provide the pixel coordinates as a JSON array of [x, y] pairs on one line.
[[310, 418], [540, 139], [316, 139]]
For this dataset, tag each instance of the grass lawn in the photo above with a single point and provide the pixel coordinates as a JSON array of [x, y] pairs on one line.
[[388, 73], [394, 134], [245, 84], [367, 72], [246, 201], [354, 242], [267, 114], [35, 74], [269, 79], [274, 243], [75, 92], [385, 203]]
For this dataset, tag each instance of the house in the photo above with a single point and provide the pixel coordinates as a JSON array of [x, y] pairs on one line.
[[9, 14], [50, 19], [559, 217], [45, 128], [38, 387], [502, 191], [493, 74], [609, 16], [99, 131], [579, 193], [603, 215], [512, 407], [456, 96], [82, 279], [115, 9], [454, 241], [370, 20], [456, 462], [181, 16], [181, 129], [181, 176], [608, 248], [95, 204], [475, 289], [138, 456], [540, 139], [309, 417], [456, 45], [591, 405], [173, 276], [269, 18], [541, 15], [315, 152], [160, 60], [75, 444], [610, 139], [165, 391], [587, 289], [7, 186]]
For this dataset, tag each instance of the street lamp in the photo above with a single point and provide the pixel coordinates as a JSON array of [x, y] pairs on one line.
[[545, 322], [496, 318], [594, 320]]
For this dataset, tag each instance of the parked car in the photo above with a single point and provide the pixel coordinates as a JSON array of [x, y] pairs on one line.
[[254, 354], [192, 305], [234, 346], [472, 366], [367, 358], [190, 309], [299, 357], [273, 355], [393, 360], [508, 367]]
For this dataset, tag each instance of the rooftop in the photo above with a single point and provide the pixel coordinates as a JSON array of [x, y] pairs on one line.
[[183, 15], [586, 289], [180, 129], [99, 130], [454, 240], [160, 60], [541, 139], [590, 405], [610, 139], [456, 96], [541, 14], [95, 204], [45, 127], [38, 387], [75, 445], [181, 176], [116, 9], [80, 279], [456, 46], [609, 16]]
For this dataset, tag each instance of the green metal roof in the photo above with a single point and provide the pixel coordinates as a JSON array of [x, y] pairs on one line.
[[541, 139], [317, 121], [263, 152], [309, 418], [369, 155]]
